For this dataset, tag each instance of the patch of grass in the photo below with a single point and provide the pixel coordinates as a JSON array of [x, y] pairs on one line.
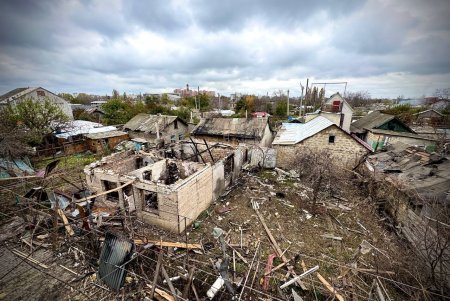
[[76, 160]]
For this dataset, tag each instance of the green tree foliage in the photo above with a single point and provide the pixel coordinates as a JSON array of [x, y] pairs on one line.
[[404, 112], [281, 108], [116, 111], [32, 120], [80, 114]]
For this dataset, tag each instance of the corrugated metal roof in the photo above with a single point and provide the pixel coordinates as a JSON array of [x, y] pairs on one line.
[[370, 121], [232, 127], [104, 135], [116, 253], [147, 123], [292, 133], [78, 127], [14, 168]]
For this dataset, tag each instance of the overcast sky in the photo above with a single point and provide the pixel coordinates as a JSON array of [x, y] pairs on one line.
[[389, 48]]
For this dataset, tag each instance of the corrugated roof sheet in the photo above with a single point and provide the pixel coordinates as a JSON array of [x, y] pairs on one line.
[[292, 133], [147, 123], [116, 253], [232, 127], [370, 121], [14, 168], [104, 135], [78, 127]]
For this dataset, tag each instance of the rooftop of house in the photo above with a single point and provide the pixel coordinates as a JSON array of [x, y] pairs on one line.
[[421, 172], [232, 127], [104, 135], [78, 127], [149, 123], [371, 121], [429, 111], [293, 133]]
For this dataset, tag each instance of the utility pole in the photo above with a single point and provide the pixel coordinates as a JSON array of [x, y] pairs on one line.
[[288, 103], [301, 101], [306, 90], [198, 95]]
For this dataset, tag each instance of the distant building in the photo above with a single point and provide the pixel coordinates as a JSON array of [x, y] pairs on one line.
[[335, 109], [379, 129], [319, 134], [189, 92], [260, 114], [98, 103], [157, 128], [36, 94], [233, 131]]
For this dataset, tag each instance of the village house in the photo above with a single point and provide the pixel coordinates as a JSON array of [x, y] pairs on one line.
[[80, 135], [429, 117], [167, 192], [36, 94], [379, 129], [337, 110], [255, 131], [157, 128], [319, 134]]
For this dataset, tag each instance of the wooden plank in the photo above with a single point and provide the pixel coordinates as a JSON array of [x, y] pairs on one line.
[[188, 284], [168, 244], [104, 192], [155, 277], [330, 288], [169, 282], [278, 249], [162, 293], [66, 222]]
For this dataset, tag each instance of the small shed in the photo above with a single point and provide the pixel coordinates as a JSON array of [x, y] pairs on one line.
[[98, 142]]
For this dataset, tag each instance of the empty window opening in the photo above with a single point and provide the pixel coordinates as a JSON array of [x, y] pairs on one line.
[[175, 124], [111, 196], [180, 137], [150, 199], [229, 166], [147, 175], [40, 93], [173, 138], [331, 139], [173, 174], [139, 162]]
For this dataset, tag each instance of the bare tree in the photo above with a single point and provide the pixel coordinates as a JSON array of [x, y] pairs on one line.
[[321, 172]]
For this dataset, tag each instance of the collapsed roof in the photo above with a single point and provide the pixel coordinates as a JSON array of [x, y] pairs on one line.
[[148, 123], [421, 172], [232, 127]]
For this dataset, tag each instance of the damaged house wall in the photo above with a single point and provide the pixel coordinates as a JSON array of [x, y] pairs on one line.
[[345, 149], [412, 188]]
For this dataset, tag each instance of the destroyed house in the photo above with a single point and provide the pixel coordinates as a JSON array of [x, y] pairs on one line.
[[233, 131], [157, 128], [80, 135], [336, 109], [318, 134], [379, 129], [166, 192]]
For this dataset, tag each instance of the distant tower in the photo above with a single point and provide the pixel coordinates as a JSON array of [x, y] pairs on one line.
[[187, 87]]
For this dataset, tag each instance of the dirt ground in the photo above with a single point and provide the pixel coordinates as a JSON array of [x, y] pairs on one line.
[[347, 231]]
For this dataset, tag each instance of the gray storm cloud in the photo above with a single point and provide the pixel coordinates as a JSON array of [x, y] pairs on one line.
[[250, 46]]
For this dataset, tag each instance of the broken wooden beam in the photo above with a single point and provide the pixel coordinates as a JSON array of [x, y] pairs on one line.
[[104, 192], [161, 293], [68, 227], [330, 287], [278, 249], [168, 244]]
